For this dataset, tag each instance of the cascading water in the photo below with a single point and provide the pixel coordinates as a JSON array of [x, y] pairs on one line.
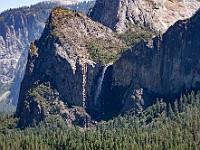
[[99, 85]]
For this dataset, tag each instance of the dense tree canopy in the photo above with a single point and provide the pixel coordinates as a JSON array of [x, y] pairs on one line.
[[161, 126]]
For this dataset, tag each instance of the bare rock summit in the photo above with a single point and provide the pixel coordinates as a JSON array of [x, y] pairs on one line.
[[157, 15]]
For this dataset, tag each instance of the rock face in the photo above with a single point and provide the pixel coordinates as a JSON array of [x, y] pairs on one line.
[[61, 59], [158, 15], [18, 27], [166, 67], [62, 79]]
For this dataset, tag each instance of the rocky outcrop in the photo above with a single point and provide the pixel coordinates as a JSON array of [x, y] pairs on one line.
[[61, 58], [165, 67], [62, 73], [18, 27], [157, 15]]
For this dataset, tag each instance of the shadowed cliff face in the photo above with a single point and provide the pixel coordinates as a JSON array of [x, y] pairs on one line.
[[167, 66], [63, 78], [60, 60], [105, 12], [157, 15], [18, 27]]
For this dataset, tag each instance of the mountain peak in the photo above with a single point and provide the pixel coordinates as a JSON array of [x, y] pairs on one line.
[[66, 58], [75, 29]]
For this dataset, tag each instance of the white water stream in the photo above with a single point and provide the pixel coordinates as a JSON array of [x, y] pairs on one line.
[[99, 85]]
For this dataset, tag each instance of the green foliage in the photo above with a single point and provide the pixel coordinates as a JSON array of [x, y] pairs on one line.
[[44, 94], [133, 37], [58, 9], [7, 122], [161, 126], [33, 50], [41, 89], [104, 51], [59, 12]]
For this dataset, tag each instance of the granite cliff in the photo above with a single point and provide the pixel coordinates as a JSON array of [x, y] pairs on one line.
[[165, 67], [157, 15], [61, 73], [64, 77], [82, 71], [18, 27]]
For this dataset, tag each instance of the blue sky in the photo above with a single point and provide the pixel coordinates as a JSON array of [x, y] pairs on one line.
[[7, 4]]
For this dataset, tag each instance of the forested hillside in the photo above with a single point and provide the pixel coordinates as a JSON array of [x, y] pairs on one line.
[[87, 87], [161, 126]]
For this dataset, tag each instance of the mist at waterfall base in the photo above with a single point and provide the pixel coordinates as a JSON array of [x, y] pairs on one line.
[[107, 100]]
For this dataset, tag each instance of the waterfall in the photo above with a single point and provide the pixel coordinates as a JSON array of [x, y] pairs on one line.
[[99, 85]]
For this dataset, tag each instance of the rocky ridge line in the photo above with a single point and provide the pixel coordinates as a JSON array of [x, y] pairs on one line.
[[156, 15], [18, 27]]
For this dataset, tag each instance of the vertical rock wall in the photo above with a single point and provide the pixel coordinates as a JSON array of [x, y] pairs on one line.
[[157, 15]]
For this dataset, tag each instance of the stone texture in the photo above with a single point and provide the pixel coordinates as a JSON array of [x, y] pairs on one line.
[[157, 15], [61, 58], [167, 68], [164, 67], [18, 27]]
